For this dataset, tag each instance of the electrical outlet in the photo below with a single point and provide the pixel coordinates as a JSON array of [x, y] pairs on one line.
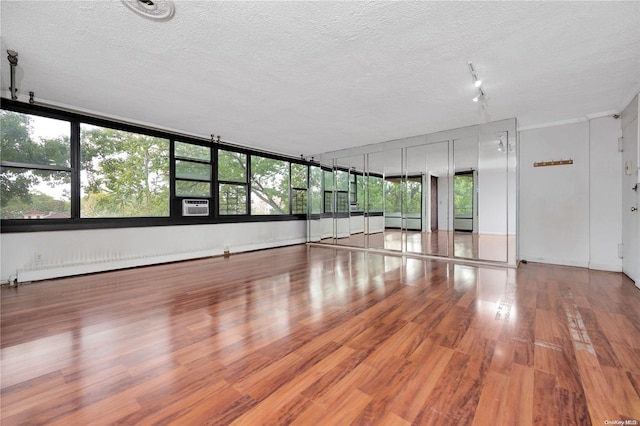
[[37, 257]]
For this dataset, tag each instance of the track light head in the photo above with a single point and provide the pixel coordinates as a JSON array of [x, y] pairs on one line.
[[477, 83]]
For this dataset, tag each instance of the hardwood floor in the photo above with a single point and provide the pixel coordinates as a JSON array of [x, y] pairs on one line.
[[312, 335]]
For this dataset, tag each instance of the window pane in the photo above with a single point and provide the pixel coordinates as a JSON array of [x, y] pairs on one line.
[[232, 166], [299, 201], [360, 193], [32, 139], [393, 197], [414, 197], [328, 201], [342, 180], [123, 174], [315, 182], [269, 186], [299, 175], [342, 199], [233, 199], [375, 198], [328, 180], [190, 170], [463, 195], [185, 188], [34, 194], [328, 191], [189, 150], [353, 191]]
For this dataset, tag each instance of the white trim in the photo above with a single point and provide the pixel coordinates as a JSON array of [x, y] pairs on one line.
[[577, 120], [563, 262], [605, 267]]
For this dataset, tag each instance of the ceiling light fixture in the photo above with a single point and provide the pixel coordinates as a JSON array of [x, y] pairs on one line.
[[157, 10], [480, 95], [477, 83]]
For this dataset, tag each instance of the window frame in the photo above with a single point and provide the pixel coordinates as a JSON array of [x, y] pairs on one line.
[[175, 217]]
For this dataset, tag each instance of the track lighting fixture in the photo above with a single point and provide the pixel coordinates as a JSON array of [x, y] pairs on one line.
[[477, 83], [480, 96]]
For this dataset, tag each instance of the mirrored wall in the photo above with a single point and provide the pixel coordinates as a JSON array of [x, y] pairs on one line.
[[448, 194]]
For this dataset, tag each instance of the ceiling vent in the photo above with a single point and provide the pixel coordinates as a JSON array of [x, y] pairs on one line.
[[157, 10]]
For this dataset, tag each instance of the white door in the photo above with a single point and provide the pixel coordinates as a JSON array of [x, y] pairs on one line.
[[630, 194]]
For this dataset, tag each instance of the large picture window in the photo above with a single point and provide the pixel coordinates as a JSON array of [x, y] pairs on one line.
[[35, 172], [98, 173], [269, 186], [123, 174]]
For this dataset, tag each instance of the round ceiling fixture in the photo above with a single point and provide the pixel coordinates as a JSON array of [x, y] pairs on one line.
[[157, 10]]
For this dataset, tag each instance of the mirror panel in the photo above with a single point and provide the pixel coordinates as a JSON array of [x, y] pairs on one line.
[[393, 200], [375, 200], [315, 204], [451, 194], [465, 197], [492, 196], [432, 162]]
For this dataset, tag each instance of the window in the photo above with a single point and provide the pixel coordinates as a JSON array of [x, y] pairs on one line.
[[35, 170], [342, 191], [413, 203], [232, 182], [103, 174], [299, 183], [353, 189], [393, 197], [463, 195], [123, 174], [192, 169], [315, 189], [269, 186], [375, 186], [328, 191]]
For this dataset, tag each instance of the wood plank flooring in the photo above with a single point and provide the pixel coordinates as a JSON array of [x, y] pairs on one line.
[[318, 336]]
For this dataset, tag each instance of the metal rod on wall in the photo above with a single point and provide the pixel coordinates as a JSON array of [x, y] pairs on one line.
[[13, 62]]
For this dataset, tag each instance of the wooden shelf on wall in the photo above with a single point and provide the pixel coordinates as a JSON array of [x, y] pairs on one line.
[[552, 163]]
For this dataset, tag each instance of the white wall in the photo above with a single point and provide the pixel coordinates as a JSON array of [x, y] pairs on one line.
[[605, 200], [570, 215], [42, 255]]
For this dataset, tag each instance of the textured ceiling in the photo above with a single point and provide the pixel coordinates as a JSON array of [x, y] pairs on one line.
[[310, 77]]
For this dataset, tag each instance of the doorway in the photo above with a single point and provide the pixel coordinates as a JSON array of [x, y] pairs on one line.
[[434, 203]]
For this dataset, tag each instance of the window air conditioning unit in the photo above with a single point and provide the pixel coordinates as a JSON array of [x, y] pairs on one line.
[[195, 207]]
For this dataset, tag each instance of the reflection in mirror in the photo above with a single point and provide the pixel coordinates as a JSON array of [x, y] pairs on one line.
[[316, 204], [427, 176], [350, 201], [480, 197], [341, 201], [492, 195], [394, 213], [465, 201], [451, 193], [375, 200]]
